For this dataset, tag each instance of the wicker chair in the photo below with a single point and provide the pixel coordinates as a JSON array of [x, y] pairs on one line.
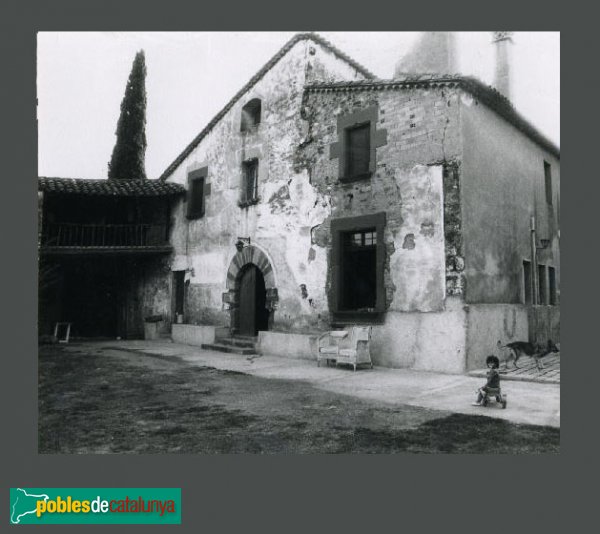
[[353, 349]]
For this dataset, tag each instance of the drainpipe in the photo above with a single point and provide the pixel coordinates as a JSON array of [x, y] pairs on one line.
[[534, 269]]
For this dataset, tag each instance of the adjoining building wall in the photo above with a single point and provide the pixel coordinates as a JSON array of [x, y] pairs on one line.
[[152, 293], [487, 324], [502, 188], [544, 324], [432, 341], [503, 185]]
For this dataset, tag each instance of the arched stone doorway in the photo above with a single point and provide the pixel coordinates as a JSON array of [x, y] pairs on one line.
[[253, 316], [252, 295]]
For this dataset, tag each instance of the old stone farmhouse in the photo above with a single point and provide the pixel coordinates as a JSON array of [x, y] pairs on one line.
[[320, 196]]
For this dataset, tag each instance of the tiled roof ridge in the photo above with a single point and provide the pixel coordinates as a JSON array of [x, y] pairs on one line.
[[261, 72], [377, 82], [105, 187], [487, 94]]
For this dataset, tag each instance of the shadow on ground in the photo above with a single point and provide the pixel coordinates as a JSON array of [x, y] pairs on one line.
[[109, 401]]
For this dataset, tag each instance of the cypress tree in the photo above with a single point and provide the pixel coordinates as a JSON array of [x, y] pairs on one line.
[[128, 157]]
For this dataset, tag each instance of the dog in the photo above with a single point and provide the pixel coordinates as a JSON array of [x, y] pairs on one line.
[[536, 351]]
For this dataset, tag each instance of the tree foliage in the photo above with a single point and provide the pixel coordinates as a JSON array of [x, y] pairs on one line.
[[128, 157]]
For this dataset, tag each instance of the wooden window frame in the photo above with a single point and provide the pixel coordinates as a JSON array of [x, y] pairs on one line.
[[342, 226], [543, 285], [552, 289], [349, 175], [527, 284], [340, 150], [548, 182], [246, 165], [195, 177]]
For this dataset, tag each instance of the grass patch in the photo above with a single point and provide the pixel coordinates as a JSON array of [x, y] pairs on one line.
[[115, 402]]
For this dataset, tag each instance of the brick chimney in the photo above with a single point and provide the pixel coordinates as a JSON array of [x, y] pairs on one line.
[[502, 79], [433, 53]]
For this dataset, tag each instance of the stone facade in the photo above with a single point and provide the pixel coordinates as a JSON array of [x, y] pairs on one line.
[[411, 197], [279, 225]]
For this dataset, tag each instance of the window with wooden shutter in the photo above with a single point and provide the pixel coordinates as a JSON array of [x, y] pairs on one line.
[[552, 286], [527, 283], [542, 283], [249, 183], [548, 182], [358, 139], [358, 150], [196, 193]]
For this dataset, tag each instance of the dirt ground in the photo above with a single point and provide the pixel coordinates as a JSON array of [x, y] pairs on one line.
[[113, 401]]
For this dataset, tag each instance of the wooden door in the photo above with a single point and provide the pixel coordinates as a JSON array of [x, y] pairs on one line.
[[179, 283], [247, 315]]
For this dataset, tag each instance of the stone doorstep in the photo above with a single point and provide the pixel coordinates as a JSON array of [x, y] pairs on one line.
[[231, 349], [245, 342]]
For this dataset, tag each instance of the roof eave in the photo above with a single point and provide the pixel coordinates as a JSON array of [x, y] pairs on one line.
[[255, 79]]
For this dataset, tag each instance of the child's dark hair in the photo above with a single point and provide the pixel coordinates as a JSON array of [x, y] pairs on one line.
[[493, 360]]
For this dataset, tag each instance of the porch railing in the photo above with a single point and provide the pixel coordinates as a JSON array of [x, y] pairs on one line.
[[103, 235]]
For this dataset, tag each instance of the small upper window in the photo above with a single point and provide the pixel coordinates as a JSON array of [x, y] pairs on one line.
[[358, 152], [196, 193], [251, 115], [361, 239], [548, 181], [249, 182]]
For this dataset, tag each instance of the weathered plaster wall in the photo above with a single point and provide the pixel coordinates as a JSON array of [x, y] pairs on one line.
[[422, 136], [434, 341], [190, 334], [544, 324], [289, 206], [416, 183], [489, 323], [502, 180], [302, 346], [152, 295]]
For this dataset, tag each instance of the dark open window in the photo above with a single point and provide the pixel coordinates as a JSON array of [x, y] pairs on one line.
[[249, 182], [358, 150], [358, 254], [552, 285], [359, 270], [527, 287], [251, 115], [196, 193], [179, 283], [543, 293], [548, 182]]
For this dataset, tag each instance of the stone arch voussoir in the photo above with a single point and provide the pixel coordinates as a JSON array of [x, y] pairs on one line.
[[250, 254]]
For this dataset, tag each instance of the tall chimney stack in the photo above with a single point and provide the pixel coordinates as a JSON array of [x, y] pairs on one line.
[[502, 79]]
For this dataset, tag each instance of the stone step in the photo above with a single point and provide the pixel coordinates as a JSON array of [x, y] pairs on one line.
[[249, 342], [229, 348]]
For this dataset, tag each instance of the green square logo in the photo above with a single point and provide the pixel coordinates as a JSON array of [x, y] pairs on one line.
[[93, 506]]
